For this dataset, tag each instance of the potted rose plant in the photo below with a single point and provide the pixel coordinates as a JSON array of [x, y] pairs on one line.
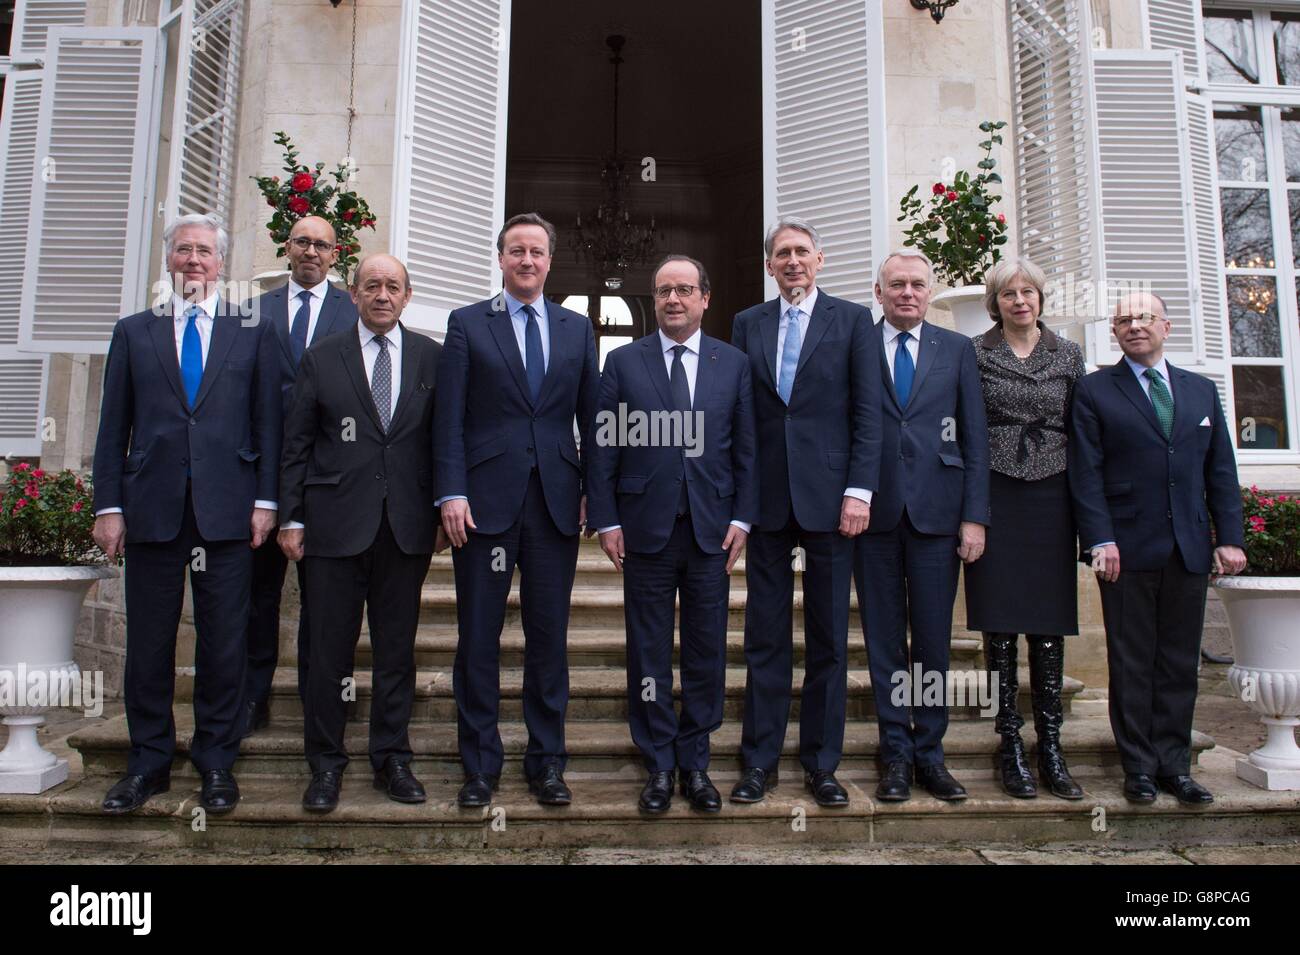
[[957, 229], [48, 561], [1263, 607]]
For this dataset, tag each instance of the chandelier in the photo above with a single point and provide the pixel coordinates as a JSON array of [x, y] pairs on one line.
[[611, 240]]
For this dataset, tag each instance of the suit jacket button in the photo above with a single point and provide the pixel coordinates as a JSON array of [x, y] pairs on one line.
[[185, 460], [379, 477], [194, 421], [1171, 449], [904, 424], [1169, 513], [1171, 483]]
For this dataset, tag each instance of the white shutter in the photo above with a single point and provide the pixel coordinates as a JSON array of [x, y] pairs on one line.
[[449, 181], [1176, 25], [89, 218], [22, 400], [1055, 157], [33, 19], [824, 132], [1146, 206], [201, 176]]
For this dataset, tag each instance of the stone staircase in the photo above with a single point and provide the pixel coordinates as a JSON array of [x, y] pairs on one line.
[[605, 770]]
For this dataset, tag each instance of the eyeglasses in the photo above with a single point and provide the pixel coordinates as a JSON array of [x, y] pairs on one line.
[[202, 251], [302, 244], [683, 291], [1145, 320]]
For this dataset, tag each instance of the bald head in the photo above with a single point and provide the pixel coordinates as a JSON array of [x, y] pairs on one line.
[[312, 250]]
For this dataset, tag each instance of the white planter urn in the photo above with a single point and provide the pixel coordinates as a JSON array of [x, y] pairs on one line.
[[1264, 619], [39, 610], [966, 302]]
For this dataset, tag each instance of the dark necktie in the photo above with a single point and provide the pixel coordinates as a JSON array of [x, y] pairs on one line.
[[534, 363], [298, 330], [381, 383], [681, 391], [1162, 400], [191, 355], [904, 370]]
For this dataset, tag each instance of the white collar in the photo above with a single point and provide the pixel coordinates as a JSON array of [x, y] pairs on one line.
[[318, 291], [513, 304], [692, 344], [805, 305], [393, 335], [890, 332], [180, 306]]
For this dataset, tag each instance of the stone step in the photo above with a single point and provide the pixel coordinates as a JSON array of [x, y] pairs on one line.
[[597, 746], [600, 693]]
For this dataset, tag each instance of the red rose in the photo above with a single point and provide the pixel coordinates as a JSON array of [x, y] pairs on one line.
[[984, 238], [939, 189], [76, 507], [347, 216], [338, 249], [368, 222], [1266, 501], [31, 490], [1002, 218], [299, 205], [24, 466], [952, 196], [303, 182], [1256, 524], [38, 473], [270, 201], [19, 504], [1283, 497]]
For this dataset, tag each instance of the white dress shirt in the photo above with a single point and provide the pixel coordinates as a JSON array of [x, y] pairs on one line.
[[315, 303], [1141, 371], [891, 335]]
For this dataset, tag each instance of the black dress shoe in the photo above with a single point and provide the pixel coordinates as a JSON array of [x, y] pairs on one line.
[[1139, 788], [1188, 791], [939, 783], [397, 779], [754, 784], [322, 793], [657, 795], [699, 789], [220, 792], [257, 716], [477, 791], [826, 789], [896, 784], [131, 792], [548, 786]]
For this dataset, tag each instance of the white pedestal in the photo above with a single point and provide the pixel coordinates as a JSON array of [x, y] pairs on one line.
[[25, 766], [36, 781], [1273, 779]]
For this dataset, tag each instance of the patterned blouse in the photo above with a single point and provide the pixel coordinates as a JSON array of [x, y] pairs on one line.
[[1027, 401]]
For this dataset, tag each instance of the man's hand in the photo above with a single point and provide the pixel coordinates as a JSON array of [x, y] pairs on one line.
[[1229, 560], [854, 516], [262, 524], [734, 542], [611, 542], [290, 541], [110, 534], [455, 519], [582, 516], [1105, 562], [971, 536], [441, 541]]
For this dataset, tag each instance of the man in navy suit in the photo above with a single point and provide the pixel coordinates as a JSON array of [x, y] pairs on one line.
[[812, 362], [1151, 465], [185, 476], [674, 506], [931, 509], [515, 371], [305, 311]]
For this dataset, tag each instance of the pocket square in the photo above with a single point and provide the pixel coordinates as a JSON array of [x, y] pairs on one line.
[[1205, 422]]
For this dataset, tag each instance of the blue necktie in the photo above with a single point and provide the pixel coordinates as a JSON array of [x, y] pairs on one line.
[[789, 355], [191, 355], [681, 392], [298, 330], [534, 364], [904, 370]]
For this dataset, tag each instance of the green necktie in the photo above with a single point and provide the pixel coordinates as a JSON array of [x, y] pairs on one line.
[[1162, 401]]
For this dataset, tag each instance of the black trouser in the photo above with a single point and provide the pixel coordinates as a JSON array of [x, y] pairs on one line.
[[220, 575], [1153, 645], [386, 582], [651, 584], [269, 565]]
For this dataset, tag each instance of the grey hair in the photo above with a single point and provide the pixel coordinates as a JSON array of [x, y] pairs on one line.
[[997, 278], [907, 254], [205, 219], [790, 222]]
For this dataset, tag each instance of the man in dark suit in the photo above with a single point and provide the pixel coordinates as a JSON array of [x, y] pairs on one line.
[[1151, 465], [931, 509], [305, 311], [185, 475], [357, 495], [515, 371], [674, 508], [817, 401]]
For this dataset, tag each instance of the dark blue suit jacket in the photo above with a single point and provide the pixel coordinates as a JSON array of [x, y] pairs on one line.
[[149, 437], [487, 433], [337, 314], [935, 454], [638, 487], [1147, 493], [828, 438]]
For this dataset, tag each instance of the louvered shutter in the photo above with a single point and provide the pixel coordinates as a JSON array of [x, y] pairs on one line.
[[201, 175], [89, 220], [824, 132], [1145, 202], [33, 19], [449, 186], [1176, 25]]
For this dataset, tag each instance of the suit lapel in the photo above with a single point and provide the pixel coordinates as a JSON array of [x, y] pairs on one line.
[[329, 311], [1127, 383], [225, 328], [706, 372], [818, 322], [502, 329], [410, 370], [1184, 414], [163, 332], [356, 368], [277, 308], [886, 374], [926, 352], [769, 327], [654, 363]]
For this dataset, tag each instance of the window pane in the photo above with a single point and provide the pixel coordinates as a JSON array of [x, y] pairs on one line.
[[1239, 139], [1286, 45], [1247, 232], [1230, 47], [614, 311], [1252, 317], [1261, 407], [576, 303], [1293, 201]]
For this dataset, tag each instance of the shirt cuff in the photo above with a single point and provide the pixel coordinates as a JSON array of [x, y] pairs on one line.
[[450, 497], [267, 505], [606, 530], [109, 510], [743, 525], [291, 526], [1102, 544], [862, 494]]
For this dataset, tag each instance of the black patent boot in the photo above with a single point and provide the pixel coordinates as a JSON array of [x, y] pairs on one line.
[[1046, 671], [1017, 779]]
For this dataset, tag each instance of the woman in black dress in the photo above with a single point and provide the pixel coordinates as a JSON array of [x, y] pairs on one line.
[[1026, 580]]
